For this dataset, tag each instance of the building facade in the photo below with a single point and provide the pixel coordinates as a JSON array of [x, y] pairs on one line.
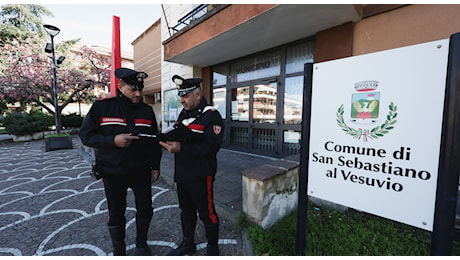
[[251, 57], [147, 58]]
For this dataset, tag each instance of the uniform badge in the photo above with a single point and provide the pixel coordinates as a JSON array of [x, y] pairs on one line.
[[217, 129]]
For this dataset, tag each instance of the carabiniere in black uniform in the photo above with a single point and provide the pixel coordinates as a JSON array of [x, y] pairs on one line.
[[195, 169], [127, 167], [118, 115], [199, 148]]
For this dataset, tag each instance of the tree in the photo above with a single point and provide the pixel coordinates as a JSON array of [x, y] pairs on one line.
[[22, 22], [96, 67], [26, 74], [95, 64]]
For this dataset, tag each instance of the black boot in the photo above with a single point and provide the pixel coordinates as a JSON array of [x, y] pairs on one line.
[[212, 234], [188, 241], [142, 228], [117, 234]]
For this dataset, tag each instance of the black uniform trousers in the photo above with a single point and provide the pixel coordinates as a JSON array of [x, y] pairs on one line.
[[116, 187], [198, 195]]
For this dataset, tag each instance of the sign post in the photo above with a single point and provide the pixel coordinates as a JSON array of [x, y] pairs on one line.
[[449, 162], [303, 173]]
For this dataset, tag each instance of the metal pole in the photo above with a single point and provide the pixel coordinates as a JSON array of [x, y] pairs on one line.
[[79, 106], [301, 236], [449, 163], [55, 91]]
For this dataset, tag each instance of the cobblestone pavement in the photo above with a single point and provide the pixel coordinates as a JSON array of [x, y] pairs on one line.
[[51, 206]]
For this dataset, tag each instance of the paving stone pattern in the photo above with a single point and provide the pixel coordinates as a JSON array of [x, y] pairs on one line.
[[51, 206]]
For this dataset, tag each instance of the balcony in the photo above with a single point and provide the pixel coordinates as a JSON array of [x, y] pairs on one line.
[[231, 31], [191, 17]]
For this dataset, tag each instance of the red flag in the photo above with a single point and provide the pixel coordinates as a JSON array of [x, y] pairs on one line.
[[116, 55]]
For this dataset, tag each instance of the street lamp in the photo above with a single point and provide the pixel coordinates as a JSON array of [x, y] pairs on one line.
[[53, 31]]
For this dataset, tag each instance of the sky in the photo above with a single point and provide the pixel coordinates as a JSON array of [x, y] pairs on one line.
[[93, 22]]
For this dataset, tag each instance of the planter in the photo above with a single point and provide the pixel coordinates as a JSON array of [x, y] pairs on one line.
[[30, 137], [58, 142], [38, 135], [22, 138], [41, 135]]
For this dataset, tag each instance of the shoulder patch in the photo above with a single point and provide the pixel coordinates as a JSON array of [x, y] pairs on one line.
[[217, 129]]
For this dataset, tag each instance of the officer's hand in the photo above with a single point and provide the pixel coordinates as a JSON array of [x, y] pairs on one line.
[[155, 175], [124, 140], [171, 146]]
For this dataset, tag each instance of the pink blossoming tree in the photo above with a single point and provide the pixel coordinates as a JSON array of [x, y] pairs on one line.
[[26, 74]]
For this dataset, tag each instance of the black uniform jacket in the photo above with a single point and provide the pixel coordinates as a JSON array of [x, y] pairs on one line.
[[197, 157], [118, 115]]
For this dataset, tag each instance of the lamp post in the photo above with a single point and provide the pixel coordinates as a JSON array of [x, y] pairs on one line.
[[53, 31]]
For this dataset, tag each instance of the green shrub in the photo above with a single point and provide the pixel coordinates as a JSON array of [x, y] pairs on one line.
[[20, 123], [72, 120]]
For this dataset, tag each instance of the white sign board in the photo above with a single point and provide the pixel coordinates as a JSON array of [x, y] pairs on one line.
[[375, 131]]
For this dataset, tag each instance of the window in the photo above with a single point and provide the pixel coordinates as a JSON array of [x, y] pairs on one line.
[[298, 55], [219, 100], [172, 106], [218, 79], [262, 66], [240, 104], [291, 142], [293, 99], [264, 105]]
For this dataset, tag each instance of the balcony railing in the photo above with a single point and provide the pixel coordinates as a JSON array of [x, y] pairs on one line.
[[196, 14]]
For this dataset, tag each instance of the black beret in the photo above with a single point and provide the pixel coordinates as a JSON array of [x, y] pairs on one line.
[[134, 78], [185, 86]]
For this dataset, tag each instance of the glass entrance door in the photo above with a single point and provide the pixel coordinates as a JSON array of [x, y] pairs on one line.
[[264, 105], [254, 117], [263, 99]]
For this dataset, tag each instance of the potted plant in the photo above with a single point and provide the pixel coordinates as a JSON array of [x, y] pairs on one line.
[[58, 141]]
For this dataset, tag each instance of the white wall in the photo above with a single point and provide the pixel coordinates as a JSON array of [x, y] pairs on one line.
[[168, 69]]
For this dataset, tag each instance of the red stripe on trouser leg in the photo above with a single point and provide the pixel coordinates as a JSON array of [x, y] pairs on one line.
[[212, 214]]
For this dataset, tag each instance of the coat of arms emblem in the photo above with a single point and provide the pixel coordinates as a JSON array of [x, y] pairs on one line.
[[365, 109]]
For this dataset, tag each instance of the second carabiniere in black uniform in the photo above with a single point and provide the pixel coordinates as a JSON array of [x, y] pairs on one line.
[[195, 164]]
